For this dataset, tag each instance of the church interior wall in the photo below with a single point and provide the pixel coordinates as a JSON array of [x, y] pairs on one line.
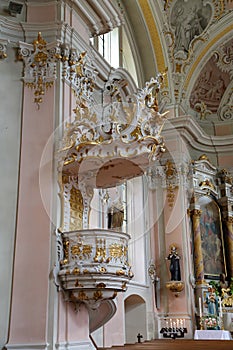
[[10, 141], [157, 214]]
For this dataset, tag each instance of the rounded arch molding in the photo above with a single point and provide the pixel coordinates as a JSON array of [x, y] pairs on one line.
[[135, 318], [202, 58]]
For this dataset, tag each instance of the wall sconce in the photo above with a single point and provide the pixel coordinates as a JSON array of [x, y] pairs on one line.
[[156, 281], [175, 287]]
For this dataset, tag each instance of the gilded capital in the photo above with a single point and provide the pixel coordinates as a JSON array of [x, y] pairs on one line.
[[196, 212], [229, 219]]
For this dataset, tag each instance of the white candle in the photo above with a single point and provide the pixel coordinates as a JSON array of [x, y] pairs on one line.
[[200, 307], [220, 307]]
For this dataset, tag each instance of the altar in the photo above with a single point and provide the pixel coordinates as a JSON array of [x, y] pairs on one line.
[[212, 334]]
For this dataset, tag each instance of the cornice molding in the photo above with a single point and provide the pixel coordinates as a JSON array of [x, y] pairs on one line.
[[27, 346], [10, 30], [189, 130], [100, 18]]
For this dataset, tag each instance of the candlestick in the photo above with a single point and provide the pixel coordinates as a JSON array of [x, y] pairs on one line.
[[220, 307], [200, 307]]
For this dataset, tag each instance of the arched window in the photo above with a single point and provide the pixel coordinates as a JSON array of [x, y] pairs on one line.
[[116, 48]]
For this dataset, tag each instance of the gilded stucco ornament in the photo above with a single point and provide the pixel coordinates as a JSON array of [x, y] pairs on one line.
[[78, 71], [116, 129], [202, 110], [40, 65], [172, 181], [99, 260], [3, 48], [226, 176]]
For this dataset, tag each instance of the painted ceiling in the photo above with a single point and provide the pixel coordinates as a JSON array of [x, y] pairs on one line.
[[193, 40]]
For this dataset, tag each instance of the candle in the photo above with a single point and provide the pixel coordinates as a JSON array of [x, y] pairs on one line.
[[200, 308], [170, 322], [220, 307]]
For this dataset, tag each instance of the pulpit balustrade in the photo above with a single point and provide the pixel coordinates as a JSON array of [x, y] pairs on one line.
[[93, 265]]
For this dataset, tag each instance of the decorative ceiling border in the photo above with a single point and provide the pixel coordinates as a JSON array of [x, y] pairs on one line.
[[154, 34]]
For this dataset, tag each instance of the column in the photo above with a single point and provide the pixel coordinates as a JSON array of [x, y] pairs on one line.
[[229, 244], [198, 257]]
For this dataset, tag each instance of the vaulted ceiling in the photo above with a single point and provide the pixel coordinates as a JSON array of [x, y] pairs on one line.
[[194, 41]]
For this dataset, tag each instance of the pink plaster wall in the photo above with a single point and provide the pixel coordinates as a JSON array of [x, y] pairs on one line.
[[173, 234], [46, 13], [78, 323], [62, 319], [80, 27], [73, 323], [114, 330], [73, 19], [32, 255], [224, 161], [221, 130]]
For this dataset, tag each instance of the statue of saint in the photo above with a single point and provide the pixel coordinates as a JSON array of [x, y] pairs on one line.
[[174, 264], [115, 218], [212, 301]]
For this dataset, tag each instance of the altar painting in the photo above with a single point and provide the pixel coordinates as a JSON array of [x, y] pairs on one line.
[[211, 237]]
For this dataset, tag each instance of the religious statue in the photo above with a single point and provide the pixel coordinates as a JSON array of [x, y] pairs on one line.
[[115, 218], [174, 264], [212, 301], [223, 283]]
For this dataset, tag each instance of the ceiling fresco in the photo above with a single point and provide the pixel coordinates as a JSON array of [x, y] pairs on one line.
[[188, 20], [196, 45], [210, 85]]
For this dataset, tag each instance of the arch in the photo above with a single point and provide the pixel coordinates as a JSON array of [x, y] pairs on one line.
[[135, 318], [116, 170]]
